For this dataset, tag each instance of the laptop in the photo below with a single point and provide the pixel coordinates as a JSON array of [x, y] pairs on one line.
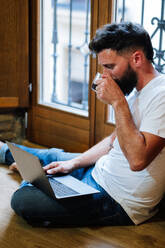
[[54, 186]]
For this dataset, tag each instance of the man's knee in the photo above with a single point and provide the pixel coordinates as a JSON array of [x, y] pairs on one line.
[[23, 200], [49, 155], [36, 207]]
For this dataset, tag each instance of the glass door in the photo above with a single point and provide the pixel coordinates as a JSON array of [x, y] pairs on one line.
[[64, 38], [65, 112], [153, 21]]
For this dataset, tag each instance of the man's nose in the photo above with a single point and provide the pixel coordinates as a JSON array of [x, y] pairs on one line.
[[106, 71]]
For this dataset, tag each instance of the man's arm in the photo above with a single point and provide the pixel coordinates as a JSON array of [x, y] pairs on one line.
[[93, 154], [85, 159], [140, 148]]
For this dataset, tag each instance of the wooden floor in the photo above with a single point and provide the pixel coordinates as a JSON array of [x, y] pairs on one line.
[[15, 233]]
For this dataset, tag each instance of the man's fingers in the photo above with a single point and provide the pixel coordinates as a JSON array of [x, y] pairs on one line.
[[53, 170], [99, 81], [58, 167], [50, 166]]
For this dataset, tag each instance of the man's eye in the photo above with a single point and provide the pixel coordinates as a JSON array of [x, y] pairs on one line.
[[109, 67]]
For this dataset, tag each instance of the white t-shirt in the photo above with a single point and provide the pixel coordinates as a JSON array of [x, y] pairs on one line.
[[138, 192]]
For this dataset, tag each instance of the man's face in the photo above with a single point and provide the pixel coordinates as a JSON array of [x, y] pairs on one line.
[[119, 69]]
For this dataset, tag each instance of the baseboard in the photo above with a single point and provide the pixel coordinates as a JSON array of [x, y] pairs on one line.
[[31, 144]]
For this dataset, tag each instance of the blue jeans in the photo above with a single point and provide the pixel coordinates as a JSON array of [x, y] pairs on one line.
[[38, 209]]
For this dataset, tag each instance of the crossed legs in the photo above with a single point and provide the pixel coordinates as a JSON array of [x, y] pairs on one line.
[[37, 208]]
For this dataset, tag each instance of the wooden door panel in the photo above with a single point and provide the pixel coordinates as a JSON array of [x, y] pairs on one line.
[[46, 125], [61, 130], [14, 52], [62, 117], [58, 134], [58, 142]]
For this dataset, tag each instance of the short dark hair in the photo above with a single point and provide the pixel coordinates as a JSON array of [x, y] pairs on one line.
[[122, 37]]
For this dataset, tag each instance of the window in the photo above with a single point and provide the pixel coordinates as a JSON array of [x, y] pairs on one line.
[[66, 122], [152, 18], [153, 21], [64, 36]]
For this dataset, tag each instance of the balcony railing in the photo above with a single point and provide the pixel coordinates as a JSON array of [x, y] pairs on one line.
[[158, 21], [77, 95], [67, 83]]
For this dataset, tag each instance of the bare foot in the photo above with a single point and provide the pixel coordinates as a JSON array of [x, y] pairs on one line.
[[13, 167]]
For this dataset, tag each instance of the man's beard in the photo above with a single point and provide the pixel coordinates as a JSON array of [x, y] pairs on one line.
[[128, 81]]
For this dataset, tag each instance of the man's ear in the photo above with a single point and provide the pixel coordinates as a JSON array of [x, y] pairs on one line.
[[137, 58]]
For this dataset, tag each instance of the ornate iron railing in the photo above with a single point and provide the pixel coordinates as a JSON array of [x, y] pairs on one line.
[[159, 55], [72, 5]]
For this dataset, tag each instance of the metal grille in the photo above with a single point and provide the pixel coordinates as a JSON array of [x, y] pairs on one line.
[[77, 89], [122, 11]]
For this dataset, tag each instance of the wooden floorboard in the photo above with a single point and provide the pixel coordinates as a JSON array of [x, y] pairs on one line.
[[15, 233]]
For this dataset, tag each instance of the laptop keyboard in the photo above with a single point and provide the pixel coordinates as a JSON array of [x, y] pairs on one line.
[[61, 189]]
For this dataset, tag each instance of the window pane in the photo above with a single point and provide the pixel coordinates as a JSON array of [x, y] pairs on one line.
[[64, 54], [150, 14]]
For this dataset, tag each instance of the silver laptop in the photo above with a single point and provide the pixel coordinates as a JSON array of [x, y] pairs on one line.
[[57, 187]]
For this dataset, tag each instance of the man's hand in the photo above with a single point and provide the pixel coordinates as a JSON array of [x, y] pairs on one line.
[[60, 167], [108, 91]]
